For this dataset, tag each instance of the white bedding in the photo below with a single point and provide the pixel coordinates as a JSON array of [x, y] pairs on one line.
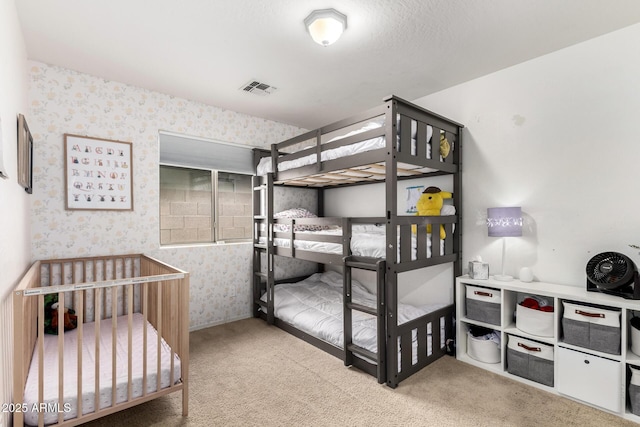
[[265, 166], [366, 245], [314, 306], [366, 240], [88, 372]]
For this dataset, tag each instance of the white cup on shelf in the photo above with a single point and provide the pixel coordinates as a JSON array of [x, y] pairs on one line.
[[526, 275]]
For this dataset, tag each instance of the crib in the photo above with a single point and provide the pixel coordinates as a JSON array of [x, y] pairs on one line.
[[127, 344]]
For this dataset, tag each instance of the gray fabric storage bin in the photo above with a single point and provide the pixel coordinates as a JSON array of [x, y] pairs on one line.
[[483, 304], [634, 390], [634, 397], [530, 360], [590, 327]]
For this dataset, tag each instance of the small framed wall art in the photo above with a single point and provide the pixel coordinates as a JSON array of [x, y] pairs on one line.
[[3, 170], [98, 173], [25, 155]]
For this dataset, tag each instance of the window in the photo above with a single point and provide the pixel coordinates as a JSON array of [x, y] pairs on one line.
[[203, 205], [205, 190], [234, 218]]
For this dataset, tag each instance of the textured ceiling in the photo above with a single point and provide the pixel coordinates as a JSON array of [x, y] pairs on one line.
[[205, 50]]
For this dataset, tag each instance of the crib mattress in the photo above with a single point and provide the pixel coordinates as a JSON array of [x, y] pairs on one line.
[[314, 306], [70, 401]]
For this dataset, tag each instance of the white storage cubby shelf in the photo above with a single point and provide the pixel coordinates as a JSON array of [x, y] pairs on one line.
[[596, 378]]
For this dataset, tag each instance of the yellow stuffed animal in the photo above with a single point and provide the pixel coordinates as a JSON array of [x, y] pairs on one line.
[[445, 147], [430, 203]]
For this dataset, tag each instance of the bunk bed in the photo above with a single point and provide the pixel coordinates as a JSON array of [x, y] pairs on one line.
[[372, 331]]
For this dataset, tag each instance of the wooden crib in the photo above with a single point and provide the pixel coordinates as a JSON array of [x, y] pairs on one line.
[[130, 343]]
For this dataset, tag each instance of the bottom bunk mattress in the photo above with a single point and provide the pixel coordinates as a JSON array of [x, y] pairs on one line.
[[314, 306], [70, 362]]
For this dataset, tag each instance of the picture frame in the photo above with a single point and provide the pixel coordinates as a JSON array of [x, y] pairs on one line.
[[25, 155], [98, 174]]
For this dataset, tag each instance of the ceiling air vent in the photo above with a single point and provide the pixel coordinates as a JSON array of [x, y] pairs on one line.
[[258, 88]]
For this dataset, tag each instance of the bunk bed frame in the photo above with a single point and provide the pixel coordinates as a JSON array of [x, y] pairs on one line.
[[396, 160]]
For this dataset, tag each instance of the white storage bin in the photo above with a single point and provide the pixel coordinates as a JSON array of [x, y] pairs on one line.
[[483, 304], [534, 322], [591, 327], [590, 378], [530, 359], [483, 350]]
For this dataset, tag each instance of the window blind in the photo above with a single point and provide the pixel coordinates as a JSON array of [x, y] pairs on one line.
[[182, 150]]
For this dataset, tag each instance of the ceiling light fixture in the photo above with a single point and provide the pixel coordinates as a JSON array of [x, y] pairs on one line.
[[325, 25]]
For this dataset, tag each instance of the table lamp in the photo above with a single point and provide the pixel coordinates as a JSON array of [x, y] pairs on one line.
[[504, 222]]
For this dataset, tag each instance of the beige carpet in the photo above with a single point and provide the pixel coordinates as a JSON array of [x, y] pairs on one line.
[[247, 373]]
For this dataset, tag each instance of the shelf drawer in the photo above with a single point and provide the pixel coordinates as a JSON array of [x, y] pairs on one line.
[[530, 359], [534, 322], [483, 304], [589, 378], [634, 390], [591, 327], [483, 349]]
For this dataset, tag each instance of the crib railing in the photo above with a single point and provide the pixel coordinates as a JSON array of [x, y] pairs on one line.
[[97, 289]]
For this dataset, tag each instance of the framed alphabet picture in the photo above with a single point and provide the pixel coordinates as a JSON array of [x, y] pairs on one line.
[[98, 173]]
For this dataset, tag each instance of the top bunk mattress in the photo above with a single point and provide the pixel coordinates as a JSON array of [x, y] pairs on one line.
[[265, 164]]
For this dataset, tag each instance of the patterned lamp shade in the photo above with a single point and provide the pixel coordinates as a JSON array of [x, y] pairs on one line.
[[504, 222]]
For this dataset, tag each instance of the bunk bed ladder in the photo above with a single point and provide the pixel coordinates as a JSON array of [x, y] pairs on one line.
[[379, 266], [263, 278]]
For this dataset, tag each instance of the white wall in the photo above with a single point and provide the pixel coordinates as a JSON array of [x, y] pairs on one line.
[[556, 135], [559, 136], [369, 200], [425, 286], [14, 202]]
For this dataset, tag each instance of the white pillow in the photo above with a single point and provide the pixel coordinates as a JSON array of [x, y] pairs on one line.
[[447, 210], [373, 124], [299, 213]]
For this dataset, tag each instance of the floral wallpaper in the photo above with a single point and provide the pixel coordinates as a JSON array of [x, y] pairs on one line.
[[64, 101]]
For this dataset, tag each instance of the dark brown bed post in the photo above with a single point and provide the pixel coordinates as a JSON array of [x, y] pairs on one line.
[[457, 236], [256, 184], [263, 275], [270, 253], [391, 282]]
